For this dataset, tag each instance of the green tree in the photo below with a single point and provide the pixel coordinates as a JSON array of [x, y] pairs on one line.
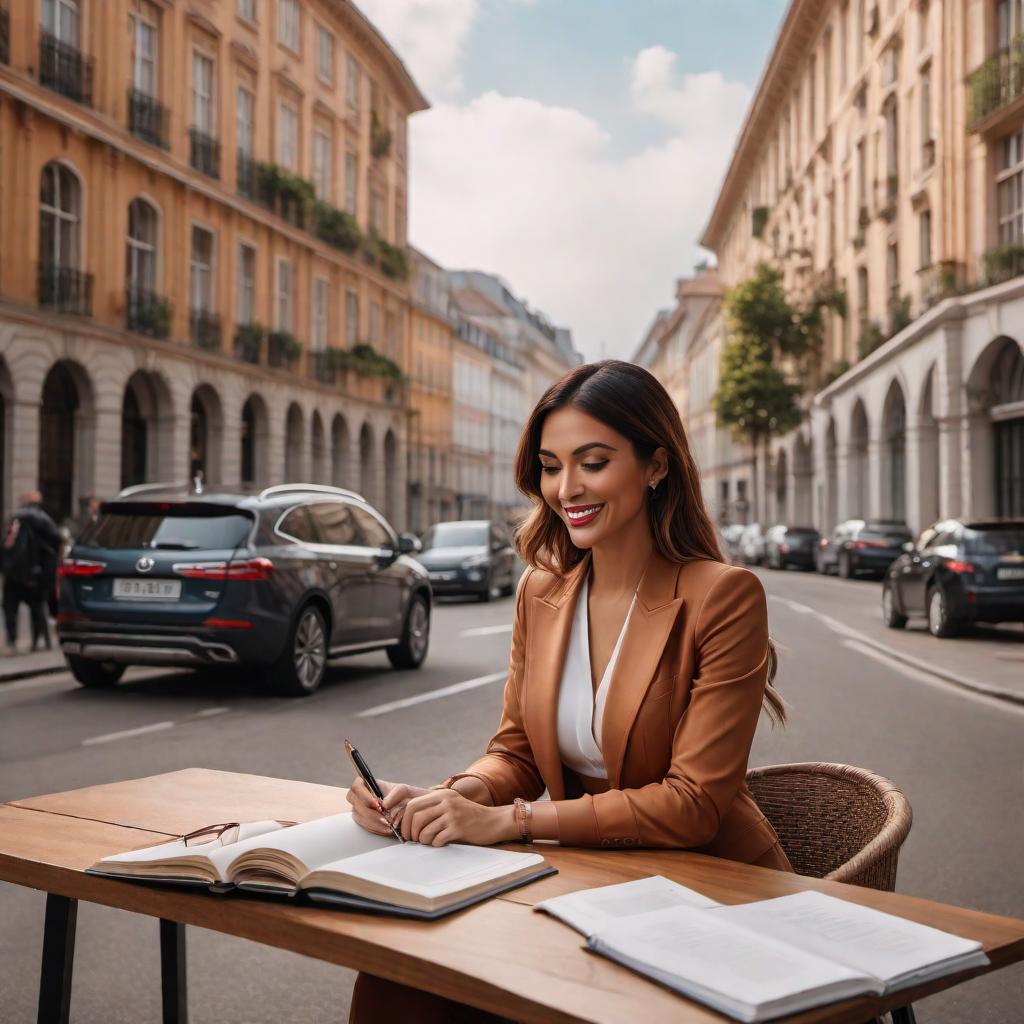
[[755, 399]]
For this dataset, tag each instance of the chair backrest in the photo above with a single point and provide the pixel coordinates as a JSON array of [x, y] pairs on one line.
[[834, 820]]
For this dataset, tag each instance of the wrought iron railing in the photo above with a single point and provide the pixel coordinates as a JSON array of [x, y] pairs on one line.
[[249, 343], [63, 69], [148, 118], [997, 82], [247, 177], [204, 329], [64, 289], [323, 366], [205, 152], [148, 313]]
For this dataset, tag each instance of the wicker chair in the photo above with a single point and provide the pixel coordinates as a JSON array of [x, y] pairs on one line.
[[835, 821]]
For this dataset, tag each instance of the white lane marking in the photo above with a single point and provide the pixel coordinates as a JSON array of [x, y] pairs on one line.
[[422, 698], [126, 733], [922, 676], [803, 609], [210, 712], [487, 630]]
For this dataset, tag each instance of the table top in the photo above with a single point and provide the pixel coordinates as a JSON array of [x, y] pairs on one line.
[[499, 955]]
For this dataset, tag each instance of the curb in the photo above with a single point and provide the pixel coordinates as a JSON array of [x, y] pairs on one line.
[[28, 673]]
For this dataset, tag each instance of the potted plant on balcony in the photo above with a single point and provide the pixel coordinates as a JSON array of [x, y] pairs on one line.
[[249, 342], [336, 227], [1003, 263], [288, 195], [283, 349], [380, 137], [151, 317]]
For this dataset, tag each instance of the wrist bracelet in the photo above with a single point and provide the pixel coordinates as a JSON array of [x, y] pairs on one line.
[[523, 813]]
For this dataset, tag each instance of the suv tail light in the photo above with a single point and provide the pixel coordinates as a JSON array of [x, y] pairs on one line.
[[80, 567], [249, 569], [959, 567], [783, 549]]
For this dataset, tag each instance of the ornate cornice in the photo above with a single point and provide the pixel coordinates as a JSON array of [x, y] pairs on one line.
[[799, 28]]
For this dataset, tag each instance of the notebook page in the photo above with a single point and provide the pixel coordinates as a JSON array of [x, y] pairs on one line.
[[432, 871], [703, 954], [591, 910], [312, 842], [867, 940]]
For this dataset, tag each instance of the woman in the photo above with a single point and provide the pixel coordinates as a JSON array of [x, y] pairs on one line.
[[640, 660]]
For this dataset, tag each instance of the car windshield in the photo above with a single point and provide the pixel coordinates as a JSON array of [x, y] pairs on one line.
[[135, 528], [885, 531], [455, 535], [998, 540]]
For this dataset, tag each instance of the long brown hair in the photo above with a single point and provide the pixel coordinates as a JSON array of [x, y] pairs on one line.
[[632, 402]]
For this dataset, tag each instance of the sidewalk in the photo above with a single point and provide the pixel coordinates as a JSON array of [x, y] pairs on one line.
[[23, 665]]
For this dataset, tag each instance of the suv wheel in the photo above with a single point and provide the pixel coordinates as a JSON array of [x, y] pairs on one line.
[[845, 565], [95, 674], [940, 622], [300, 669], [411, 650], [890, 616]]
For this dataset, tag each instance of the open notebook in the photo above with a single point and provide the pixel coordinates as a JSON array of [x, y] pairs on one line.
[[333, 860], [760, 960]]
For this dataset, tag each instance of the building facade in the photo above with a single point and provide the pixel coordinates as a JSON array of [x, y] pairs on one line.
[[472, 452], [203, 269], [883, 154], [431, 495]]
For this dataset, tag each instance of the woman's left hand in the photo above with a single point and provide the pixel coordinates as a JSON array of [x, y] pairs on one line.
[[444, 816]]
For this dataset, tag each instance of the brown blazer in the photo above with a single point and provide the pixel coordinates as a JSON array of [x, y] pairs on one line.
[[682, 706]]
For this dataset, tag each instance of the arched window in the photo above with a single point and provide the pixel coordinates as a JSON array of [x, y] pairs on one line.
[[59, 217], [140, 271]]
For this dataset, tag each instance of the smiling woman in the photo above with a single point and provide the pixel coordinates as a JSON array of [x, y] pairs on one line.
[[640, 661]]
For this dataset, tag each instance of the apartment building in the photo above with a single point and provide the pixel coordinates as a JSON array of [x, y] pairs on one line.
[[472, 452], [434, 319], [883, 154], [203, 265]]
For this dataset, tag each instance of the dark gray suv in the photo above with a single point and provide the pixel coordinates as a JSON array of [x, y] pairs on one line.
[[277, 582]]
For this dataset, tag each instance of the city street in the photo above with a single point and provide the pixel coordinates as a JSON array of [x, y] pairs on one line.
[[956, 754]]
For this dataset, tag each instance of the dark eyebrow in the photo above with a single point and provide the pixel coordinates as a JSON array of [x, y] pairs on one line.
[[579, 451]]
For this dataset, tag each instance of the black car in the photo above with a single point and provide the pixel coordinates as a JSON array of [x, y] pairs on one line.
[[958, 573], [277, 582], [470, 556], [791, 545], [862, 545]]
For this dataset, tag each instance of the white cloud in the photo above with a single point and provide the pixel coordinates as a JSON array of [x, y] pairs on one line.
[[537, 194], [430, 36]]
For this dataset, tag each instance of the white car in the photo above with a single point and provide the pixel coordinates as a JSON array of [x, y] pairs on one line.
[[752, 544]]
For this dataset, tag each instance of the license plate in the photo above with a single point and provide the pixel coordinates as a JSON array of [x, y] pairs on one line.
[[441, 577], [147, 590], [1009, 574]]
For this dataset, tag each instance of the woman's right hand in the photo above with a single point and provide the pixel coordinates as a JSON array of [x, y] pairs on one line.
[[366, 812]]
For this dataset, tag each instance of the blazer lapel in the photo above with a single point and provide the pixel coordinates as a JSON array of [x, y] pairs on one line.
[[551, 616], [649, 627]]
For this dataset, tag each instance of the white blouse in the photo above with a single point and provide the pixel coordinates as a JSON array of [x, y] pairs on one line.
[[580, 710]]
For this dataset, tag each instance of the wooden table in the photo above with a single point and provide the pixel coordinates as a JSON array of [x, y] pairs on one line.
[[499, 955]]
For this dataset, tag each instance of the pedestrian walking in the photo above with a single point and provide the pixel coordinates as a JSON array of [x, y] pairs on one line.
[[640, 663], [30, 548]]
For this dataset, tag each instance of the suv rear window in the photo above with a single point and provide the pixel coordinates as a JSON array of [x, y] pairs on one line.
[[455, 535], [179, 529], [1000, 541], [885, 531]]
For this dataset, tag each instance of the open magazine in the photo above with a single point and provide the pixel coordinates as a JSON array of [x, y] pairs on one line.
[[760, 960], [334, 860]]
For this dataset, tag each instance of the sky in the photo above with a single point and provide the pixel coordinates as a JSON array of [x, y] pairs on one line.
[[576, 147]]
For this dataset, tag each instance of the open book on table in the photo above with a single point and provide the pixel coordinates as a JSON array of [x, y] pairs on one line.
[[334, 860], [755, 961]]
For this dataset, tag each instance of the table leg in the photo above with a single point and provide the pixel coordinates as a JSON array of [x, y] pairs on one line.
[[173, 986], [904, 1015], [58, 959]]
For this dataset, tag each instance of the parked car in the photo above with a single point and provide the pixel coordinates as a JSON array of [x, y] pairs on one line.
[[958, 573], [752, 544], [862, 545], [791, 545], [470, 556], [730, 540], [277, 582]]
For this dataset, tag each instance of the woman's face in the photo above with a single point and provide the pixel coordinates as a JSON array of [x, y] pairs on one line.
[[591, 477]]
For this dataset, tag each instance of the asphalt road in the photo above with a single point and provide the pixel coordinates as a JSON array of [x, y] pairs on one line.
[[956, 755]]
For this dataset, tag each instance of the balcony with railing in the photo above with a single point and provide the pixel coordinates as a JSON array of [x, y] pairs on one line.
[[996, 88], [247, 177], [147, 313], [249, 343], [204, 329], [283, 349], [64, 289], [63, 69], [148, 118], [204, 154]]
